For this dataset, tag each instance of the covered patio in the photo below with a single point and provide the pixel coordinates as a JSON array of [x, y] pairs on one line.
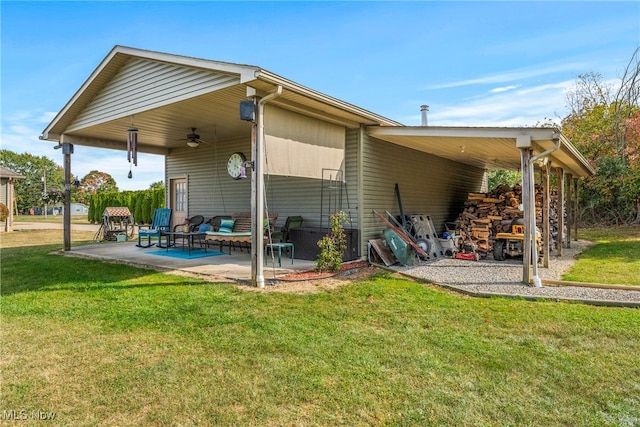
[[153, 102], [234, 266], [520, 149]]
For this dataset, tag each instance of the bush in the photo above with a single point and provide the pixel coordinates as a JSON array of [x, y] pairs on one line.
[[4, 212], [333, 245], [141, 204]]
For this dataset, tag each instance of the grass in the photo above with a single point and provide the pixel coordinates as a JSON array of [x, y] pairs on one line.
[[75, 219], [108, 344], [614, 259]]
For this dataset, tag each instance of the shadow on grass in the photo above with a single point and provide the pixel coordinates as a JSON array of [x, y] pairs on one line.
[[34, 268]]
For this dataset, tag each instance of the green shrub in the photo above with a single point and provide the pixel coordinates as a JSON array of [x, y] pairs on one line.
[[333, 245], [4, 212]]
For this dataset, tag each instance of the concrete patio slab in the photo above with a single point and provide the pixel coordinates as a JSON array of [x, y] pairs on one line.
[[235, 266]]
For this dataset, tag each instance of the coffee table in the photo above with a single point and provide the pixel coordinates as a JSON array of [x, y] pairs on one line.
[[189, 237]]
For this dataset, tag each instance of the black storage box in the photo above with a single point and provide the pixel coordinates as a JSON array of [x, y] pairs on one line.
[[305, 241]]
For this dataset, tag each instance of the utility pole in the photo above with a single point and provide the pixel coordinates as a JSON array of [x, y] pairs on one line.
[[44, 192], [67, 151]]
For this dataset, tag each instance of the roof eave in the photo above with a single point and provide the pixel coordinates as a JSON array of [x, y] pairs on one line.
[[369, 116], [122, 54]]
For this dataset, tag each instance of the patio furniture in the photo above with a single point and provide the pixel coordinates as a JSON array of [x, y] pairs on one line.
[[279, 247], [291, 223], [237, 230], [117, 225], [161, 222], [190, 224], [188, 239]]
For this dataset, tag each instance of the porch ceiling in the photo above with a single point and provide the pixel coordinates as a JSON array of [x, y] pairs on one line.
[[215, 116], [485, 148]]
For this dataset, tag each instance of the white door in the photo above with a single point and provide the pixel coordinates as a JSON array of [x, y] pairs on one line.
[[178, 201]]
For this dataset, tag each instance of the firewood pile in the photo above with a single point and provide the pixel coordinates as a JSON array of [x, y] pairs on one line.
[[486, 214]]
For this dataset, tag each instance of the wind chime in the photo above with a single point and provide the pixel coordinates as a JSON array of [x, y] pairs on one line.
[[132, 147]]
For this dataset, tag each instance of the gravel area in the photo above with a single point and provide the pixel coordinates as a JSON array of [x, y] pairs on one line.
[[504, 278]]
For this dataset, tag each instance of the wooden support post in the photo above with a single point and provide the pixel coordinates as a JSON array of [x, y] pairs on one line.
[[525, 161], [575, 209], [546, 231], [569, 209], [560, 239], [67, 150]]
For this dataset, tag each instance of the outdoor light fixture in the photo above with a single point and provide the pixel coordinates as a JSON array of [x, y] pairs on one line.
[[193, 144]]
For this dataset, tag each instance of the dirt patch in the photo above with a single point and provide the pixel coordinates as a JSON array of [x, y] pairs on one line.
[[312, 281]]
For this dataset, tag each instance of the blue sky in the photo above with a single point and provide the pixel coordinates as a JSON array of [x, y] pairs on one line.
[[474, 63]]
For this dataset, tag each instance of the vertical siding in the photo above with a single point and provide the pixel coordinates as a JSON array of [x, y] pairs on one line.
[[428, 185], [4, 190]]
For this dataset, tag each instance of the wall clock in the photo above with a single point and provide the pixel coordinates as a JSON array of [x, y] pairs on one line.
[[234, 165]]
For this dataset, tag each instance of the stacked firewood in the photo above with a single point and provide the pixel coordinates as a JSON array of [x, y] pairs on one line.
[[486, 214]]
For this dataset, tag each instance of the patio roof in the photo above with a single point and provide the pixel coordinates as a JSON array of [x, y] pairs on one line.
[[167, 95], [486, 148]]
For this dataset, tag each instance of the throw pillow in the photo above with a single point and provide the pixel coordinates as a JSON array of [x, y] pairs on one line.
[[226, 225], [204, 227]]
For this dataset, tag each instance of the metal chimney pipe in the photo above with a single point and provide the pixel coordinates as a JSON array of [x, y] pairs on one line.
[[424, 109]]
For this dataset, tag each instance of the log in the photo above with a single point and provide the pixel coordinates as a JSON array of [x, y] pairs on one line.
[[486, 214]]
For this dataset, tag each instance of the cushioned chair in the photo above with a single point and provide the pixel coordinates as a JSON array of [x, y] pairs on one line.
[[291, 223], [161, 222], [193, 223]]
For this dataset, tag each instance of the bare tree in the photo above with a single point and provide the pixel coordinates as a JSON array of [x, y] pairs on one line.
[[627, 100]]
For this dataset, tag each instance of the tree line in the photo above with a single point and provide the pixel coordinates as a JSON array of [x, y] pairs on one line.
[[141, 204], [43, 183]]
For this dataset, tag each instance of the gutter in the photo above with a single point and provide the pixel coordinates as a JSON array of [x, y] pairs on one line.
[[258, 190]]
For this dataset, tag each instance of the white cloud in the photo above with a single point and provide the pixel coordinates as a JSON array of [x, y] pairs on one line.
[[503, 89], [513, 75], [526, 106]]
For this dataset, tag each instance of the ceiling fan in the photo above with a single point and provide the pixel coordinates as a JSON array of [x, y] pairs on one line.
[[193, 139]]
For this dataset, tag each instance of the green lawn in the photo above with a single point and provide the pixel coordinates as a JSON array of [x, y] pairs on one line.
[[614, 259], [75, 219], [108, 344]]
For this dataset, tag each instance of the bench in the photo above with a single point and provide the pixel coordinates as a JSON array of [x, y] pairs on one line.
[[239, 233]]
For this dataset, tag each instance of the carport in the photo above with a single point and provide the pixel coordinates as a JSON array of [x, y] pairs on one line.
[[520, 149]]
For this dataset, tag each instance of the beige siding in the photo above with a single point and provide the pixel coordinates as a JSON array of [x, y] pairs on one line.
[[142, 85], [298, 145], [210, 189], [428, 185], [4, 192], [212, 192]]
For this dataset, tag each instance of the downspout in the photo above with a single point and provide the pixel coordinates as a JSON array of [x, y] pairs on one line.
[[259, 191], [532, 203]]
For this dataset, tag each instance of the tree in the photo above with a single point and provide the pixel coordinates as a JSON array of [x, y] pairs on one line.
[[95, 182], [497, 177], [158, 185], [37, 170], [604, 124]]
